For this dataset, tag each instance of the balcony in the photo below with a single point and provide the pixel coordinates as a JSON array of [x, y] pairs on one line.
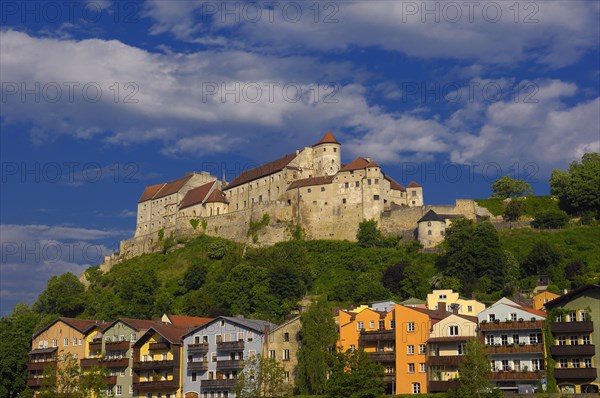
[[377, 335], [150, 386], [382, 356], [572, 327], [449, 360], [95, 345], [512, 325], [197, 348], [117, 345], [442, 386], [231, 364], [389, 378], [230, 345], [218, 383], [161, 345], [89, 362], [40, 365], [35, 382], [575, 373], [514, 348], [149, 365], [111, 380], [509, 375], [573, 350], [116, 363], [197, 366]]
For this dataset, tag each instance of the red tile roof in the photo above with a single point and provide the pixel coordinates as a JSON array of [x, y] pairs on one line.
[[188, 321], [172, 333], [530, 310], [307, 182], [137, 324], [359, 164], [414, 185], [165, 189], [150, 191], [328, 138], [216, 196], [196, 195], [394, 185], [261, 171], [81, 325]]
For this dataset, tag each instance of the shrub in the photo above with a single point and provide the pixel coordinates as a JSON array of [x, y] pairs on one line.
[[551, 219], [217, 250]]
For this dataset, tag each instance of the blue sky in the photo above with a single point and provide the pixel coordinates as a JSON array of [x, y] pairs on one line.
[[101, 98]]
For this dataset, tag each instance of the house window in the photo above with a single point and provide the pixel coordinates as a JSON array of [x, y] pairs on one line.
[[576, 363], [410, 327], [286, 336], [505, 366], [272, 354], [392, 324], [119, 390], [65, 342], [422, 348], [493, 366], [513, 316], [584, 316], [585, 339], [491, 317], [54, 343], [286, 355], [381, 325], [286, 376], [559, 318], [411, 368], [574, 340], [360, 325], [375, 197], [573, 317], [587, 362], [537, 364], [453, 330], [533, 338], [469, 307], [194, 376], [489, 339], [416, 388], [372, 324], [515, 339], [562, 340], [563, 363], [504, 339], [460, 348], [422, 368], [411, 350]]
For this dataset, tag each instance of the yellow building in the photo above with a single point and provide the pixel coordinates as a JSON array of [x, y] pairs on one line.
[[452, 299], [540, 299], [158, 362]]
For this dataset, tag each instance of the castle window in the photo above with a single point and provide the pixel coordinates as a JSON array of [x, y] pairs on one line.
[[413, 202], [308, 190], [259, 198], [332, 160], [375, 197], [334, 149], [429, 232], [356, 184], [237, 206], [414, 193], [324, 149], [377, 181], [344, 201], [429, 223], [314, 202], [218, 208], [369, 181], [346, 185], [322, 189], [244, 203]]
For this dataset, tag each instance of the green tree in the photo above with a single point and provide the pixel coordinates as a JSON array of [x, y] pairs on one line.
[[136, 290], [473, 371], [63, 295], [262, 377], [541, 258], [68, 380], [195, 276], [318, 337], [354, 375], [16, 330], [550, 219], [368, 234], [514, 209], [578, 190], [506, 187]]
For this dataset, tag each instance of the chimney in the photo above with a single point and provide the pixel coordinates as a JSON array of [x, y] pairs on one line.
[[441, 307], [455, 309]]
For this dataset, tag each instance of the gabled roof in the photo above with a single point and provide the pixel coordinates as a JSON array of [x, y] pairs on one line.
[[393, 184], [81, 325], [294, 319], [413, 184], [529, 309], [328, 138], [216, 196], [431, 216], [135, 324], [188, 321], [171, 333], [307, 182], [196, 195], [572, 294], [164, 189], [359, 164], [254, 324], [262, 171]]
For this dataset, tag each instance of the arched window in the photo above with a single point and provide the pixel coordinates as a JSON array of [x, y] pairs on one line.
[[429, 223], [429, 232]]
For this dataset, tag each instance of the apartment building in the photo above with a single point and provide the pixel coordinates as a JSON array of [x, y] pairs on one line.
[[452, 299], [215, 354], [282, 344], [513, 336], [447, 342], [64, 336], [574, 326]]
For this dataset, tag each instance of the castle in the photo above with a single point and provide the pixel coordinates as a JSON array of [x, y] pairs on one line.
[[310, 188]]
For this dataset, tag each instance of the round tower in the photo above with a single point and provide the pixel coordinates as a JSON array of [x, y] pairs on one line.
[[327, 155]]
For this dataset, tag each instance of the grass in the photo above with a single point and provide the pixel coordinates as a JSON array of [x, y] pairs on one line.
[[533, 205]]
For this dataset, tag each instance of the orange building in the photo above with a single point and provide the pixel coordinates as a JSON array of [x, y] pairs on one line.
[[540, 299]]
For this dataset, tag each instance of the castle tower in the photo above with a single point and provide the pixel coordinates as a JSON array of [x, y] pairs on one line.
[[327, 155]]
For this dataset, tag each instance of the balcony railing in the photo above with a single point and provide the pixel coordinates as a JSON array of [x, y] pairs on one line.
[[512, 325], [89, 362], [161, 345], [442, 386], [116, 362], [514, 348], [377, 335], [218, 383], [449, 360], [117, 345], [573, 350], [149, 386], [382, 356], [575, 373], [510, 375], [95, 345], [572, 327], [389, 378], [35, 382], [110, 380], [149, 365], [197, 348], [195, 366], [231, 364], [40, 365], [230, 345]]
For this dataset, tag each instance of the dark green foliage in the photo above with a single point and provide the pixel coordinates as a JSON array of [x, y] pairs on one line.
[[318, 338], [473, 371], [136, 290], [63, 295], [550, 219], [578, 190], [533, 205], [195, 276], [256, 226], [217, 250], [541, 259], [514, 210], [194, 223], [369, 235], [406, 280], [506, 187], [354, 375]]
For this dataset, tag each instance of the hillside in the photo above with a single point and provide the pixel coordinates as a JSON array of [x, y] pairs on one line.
[[533, 205]]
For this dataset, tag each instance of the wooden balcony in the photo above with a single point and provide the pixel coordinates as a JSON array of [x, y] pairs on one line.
[[575, 373], [197, 366], [514, 348], [150, 386], [382, 356], [40, 365], [35, 382], [389, 378], [572, 327], [448, 360], [442, 386], [230, 364], [377, 335], [89, 362], [110, 380], [573, 350], [218, 383], [116, 363], [95, 345], [162, 345], [117, 345], [230, 345], [512, 325], [509, 375], [151, 365], [197, 348]]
